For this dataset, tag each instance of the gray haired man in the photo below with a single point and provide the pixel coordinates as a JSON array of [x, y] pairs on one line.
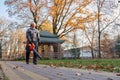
[[33, 37]]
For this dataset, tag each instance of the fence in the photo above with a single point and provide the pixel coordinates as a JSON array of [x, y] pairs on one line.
[[20, 54]]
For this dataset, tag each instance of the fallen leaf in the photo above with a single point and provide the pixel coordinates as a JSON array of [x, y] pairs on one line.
[[89, 73], [14, 67], [79, 74], [17, 66], [60, 73], [53, 66], [118, 74], [80, 66]]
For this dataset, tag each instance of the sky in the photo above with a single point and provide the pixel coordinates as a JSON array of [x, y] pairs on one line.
[[3, 8]]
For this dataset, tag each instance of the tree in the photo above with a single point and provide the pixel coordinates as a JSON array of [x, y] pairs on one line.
[[68, 15], [9, 39], [47, 26], [65, 15], [90, 32], [104, 18], [28, 11], [107, 45], [4, 27], [2, 31], [20, 39], [15, 44], [75, 51]]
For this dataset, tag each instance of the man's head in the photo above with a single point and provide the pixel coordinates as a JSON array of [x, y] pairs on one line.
[[32, 25]]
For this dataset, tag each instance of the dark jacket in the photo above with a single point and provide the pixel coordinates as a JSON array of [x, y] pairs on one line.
[[33, 35]]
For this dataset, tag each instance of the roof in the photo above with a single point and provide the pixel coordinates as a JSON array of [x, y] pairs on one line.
[[47, 37], [51, 40], [47, 34]]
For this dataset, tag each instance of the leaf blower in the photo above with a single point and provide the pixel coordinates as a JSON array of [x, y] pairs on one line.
[[32, 48]]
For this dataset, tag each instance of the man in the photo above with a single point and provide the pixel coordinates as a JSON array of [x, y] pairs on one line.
[[33, 38]]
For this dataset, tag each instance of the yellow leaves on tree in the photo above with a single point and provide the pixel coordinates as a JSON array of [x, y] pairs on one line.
[[84, 3], [68, 15], [64, 15], [47, 26]]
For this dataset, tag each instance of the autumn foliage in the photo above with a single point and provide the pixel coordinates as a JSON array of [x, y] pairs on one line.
[[63, 16]]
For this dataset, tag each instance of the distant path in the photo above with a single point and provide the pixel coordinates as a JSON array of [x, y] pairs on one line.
[[43, 72]]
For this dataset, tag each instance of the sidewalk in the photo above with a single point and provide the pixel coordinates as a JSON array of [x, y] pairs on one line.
[[16, 72], [22, 71]]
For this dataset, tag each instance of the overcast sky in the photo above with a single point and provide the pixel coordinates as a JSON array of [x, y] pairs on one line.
[[3, 12]]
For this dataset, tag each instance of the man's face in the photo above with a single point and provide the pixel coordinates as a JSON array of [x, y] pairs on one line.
[[32, 26]]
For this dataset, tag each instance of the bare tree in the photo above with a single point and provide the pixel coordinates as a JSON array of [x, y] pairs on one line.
[[4, 30], [27, 10], [90, 32], [104, 19]]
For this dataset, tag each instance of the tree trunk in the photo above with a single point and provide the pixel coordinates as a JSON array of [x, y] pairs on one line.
[[92, 52], [99, 47], [99, 32]]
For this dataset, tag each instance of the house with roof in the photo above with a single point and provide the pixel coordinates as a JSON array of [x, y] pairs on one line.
[[84, 52], [48, 43]]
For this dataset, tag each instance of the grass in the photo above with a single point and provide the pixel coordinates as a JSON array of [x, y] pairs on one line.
[[112, 65]]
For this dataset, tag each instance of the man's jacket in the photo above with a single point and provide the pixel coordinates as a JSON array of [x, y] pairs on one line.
[[33, 35]]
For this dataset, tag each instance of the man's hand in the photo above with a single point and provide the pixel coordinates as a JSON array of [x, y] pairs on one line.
[[32, 46]]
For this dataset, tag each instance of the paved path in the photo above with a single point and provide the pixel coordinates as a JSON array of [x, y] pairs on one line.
[[22, 71], [15, 72]]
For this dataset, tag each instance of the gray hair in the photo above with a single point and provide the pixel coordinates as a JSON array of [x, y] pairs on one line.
[[33, 24]]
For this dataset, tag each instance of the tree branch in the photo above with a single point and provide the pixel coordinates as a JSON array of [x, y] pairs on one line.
[[109, 23]]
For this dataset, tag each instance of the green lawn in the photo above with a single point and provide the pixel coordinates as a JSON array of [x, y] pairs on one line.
[[112, 65]]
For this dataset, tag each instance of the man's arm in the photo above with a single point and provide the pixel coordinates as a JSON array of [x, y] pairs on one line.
[[28, 36]]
